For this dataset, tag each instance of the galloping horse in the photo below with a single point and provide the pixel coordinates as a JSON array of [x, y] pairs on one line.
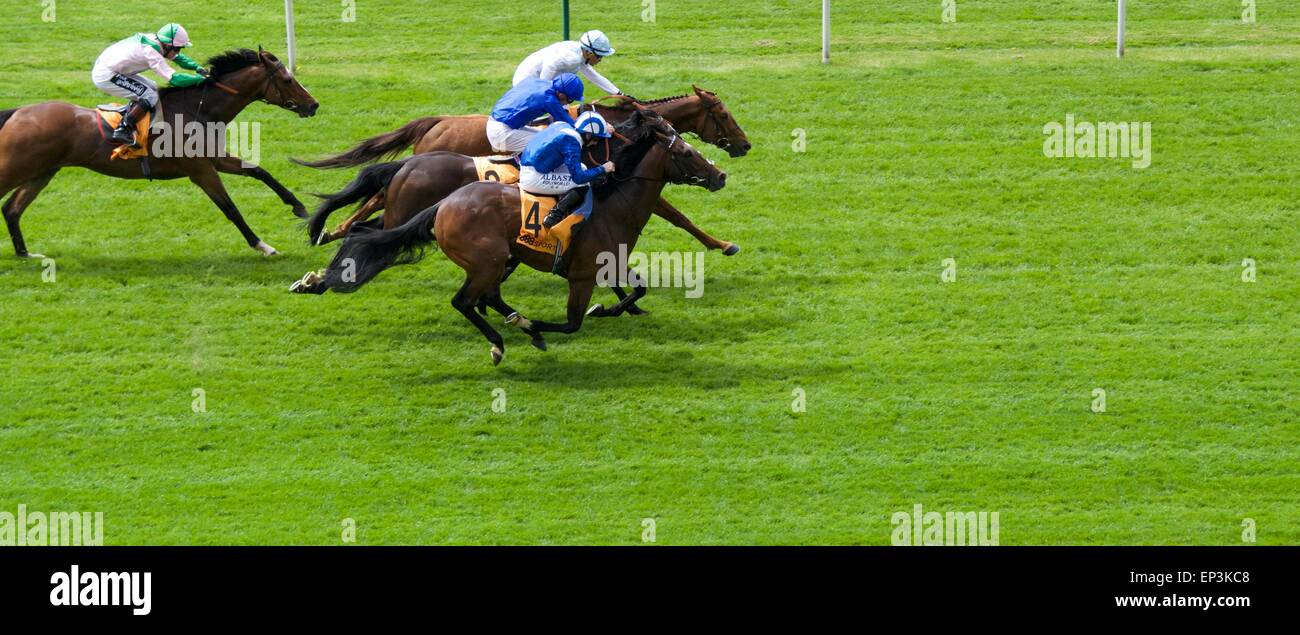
[[702, 114], [477, 225], [39, 140]]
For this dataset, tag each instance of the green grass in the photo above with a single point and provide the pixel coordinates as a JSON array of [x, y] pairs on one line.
[[924, 143]]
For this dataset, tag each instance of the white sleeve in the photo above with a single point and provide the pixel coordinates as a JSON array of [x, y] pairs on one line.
[[599, 80], [159, 64]]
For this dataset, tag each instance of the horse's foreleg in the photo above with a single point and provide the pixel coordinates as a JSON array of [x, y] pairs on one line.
[[17, 204], [209, 180], [669, 213], [234, 165], [626, 302], [579, 298]]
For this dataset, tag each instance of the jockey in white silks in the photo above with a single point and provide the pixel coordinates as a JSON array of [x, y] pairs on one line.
[[579, 58]]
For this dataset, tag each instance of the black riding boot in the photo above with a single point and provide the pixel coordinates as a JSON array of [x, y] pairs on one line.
[[565, 207], [125, 132]]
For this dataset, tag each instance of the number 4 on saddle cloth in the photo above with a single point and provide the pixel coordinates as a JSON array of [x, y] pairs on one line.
[[556, 240], [110, 116]]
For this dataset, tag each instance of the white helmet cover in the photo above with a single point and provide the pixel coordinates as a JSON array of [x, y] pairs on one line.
[[592, 123], [597, 43]]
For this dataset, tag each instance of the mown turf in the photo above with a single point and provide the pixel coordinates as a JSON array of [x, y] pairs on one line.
[[923, 143]]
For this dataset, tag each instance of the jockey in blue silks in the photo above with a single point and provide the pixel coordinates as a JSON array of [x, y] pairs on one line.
[[508, 128], [552, 164]]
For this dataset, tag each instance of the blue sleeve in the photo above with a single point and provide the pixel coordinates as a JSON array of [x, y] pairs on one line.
[[556, 110], [573, 161]]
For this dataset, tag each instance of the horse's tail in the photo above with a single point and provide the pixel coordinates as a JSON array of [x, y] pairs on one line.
[[366, 252], [5, 115], [387, 145], [369, 182]]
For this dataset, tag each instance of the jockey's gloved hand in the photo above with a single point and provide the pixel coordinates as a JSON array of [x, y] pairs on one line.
[[204, 72]]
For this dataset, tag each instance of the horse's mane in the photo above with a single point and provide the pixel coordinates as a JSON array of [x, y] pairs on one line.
[[222, 65], [663, 100], [639, 130]]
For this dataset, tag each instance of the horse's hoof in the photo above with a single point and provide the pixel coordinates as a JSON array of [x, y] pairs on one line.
[[266, 249], [596, 310], [310, 283], [497, 354], [636, 310], [514, 319], [31, 256], [538, 343], [731, 249], [300, 211]]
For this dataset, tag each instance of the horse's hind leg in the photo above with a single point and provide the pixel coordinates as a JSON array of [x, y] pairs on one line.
[[476, 284], [18, 203], [511, 264]]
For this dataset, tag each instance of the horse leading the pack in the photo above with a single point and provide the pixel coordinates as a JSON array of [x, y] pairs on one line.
[[39, 140], [477, 226], [701, 113]]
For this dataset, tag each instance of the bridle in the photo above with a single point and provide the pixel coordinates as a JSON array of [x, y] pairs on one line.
[[272, 80], [673, 159], [723, 141]]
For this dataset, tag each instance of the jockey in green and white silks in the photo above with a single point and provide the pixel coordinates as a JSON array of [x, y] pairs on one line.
[[117, 72]]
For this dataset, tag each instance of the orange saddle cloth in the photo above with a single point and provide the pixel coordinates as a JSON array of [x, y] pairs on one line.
[[500, 169], [111, 118], [554, 241]]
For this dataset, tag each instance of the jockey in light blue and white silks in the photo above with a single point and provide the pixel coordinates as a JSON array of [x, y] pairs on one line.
[[552, 164]]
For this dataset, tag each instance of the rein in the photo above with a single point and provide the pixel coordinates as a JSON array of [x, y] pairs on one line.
[[673, 159], [289, 104], [723, 139]]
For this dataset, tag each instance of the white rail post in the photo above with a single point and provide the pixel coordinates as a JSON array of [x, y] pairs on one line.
[[826, 31], [1119, 31], [293, 40]]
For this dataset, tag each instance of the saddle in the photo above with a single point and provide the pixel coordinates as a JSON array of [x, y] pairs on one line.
[[573, 109], [504, 170], [554, 241], [110, 116]]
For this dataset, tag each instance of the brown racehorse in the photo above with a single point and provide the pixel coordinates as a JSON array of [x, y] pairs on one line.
[[477, 225], [413, 184], [701, 113], [37, 141]]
